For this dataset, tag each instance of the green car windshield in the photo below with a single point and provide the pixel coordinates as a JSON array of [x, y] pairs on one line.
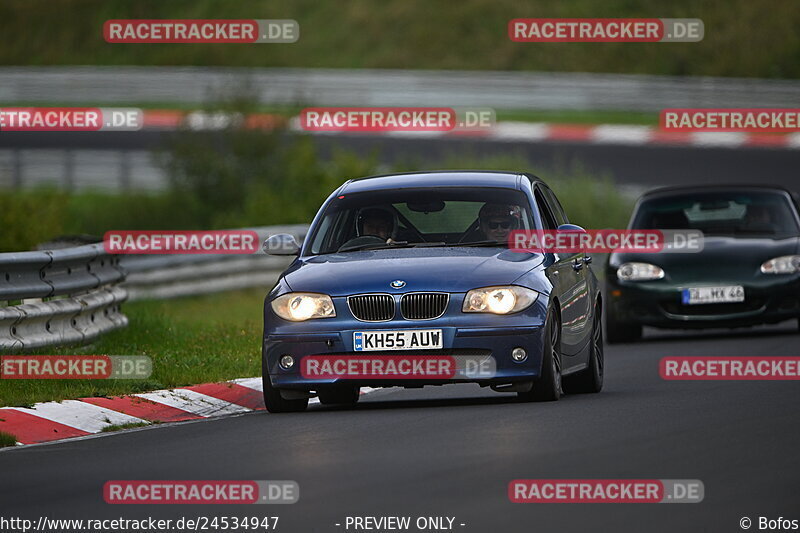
[[725, 213]]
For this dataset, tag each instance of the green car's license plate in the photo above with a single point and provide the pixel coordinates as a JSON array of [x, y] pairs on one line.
[[713, 295]]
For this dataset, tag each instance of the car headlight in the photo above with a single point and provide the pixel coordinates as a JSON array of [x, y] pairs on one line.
[[639, 272], [786, 264], [499, 300], [300, 306]]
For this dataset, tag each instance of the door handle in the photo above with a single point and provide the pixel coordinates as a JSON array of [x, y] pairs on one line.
[[577, 265]]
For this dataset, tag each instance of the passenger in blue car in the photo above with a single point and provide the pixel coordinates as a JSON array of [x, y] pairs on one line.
[[497, 221]]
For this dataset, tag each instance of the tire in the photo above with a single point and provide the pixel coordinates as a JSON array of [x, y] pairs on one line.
[[591, 379], [618, 331], [548, 387], [339, 395], [273, 400]]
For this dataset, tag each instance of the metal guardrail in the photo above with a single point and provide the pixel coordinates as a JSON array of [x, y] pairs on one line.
[[384, 87], [171, 276], [113, 168], [73, 295], [67, 296]]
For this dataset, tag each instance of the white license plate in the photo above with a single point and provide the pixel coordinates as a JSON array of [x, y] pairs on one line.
[[406, 339], [713, 295]]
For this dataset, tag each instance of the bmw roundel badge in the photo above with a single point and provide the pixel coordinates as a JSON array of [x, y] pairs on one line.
[[398, 284]]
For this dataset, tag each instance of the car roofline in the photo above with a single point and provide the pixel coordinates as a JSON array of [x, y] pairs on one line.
[[713, 187], [511, 173], [440, 171]]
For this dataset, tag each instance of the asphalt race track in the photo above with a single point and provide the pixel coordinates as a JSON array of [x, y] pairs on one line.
[[451, 451]]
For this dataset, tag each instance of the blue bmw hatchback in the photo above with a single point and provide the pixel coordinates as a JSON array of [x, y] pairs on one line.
[[415, 268]]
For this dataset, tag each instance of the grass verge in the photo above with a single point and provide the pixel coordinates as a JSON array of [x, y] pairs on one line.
[[193, 340], [7, 439], [120, 427]]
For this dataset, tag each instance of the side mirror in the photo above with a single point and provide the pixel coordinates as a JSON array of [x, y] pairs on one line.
[[571, 227], [281, 244], [574, 228]]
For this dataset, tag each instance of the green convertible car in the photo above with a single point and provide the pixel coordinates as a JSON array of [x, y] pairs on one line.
[[747, 273]]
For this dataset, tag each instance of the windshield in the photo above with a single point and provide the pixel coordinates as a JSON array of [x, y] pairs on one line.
[[728, 213], [421, 218]]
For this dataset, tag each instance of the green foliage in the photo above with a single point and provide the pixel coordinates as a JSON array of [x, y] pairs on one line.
[[249, 177], [7, 439], [742, 38], [120, 427], [94, 213], [30, 217]]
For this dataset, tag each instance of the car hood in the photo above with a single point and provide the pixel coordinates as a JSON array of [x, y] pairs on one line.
[[722, 258], [445, 269]]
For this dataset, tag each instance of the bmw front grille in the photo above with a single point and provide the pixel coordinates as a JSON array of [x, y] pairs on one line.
[[372, 307], [423, 305], [413, 306]]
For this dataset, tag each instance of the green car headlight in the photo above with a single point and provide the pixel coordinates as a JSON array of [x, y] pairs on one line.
[[300, 306], [786, 264], [639, 272], [502, 300]]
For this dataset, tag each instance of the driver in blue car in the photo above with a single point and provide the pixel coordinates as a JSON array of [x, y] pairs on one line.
[[497, 221], [376, 222]]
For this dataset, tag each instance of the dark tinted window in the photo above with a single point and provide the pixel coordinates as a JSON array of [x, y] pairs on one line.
[[547, 218], [555, 206], [733, 213]]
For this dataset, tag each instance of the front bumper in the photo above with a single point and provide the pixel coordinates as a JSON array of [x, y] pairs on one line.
[[769, 299], [462, 334]]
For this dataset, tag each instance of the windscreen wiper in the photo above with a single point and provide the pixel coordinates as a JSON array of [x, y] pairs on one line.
[[479, 243], [426, 244], [389, 245]]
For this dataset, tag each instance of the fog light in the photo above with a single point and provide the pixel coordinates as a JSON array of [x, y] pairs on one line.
[[519, 354], [286, 362]]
